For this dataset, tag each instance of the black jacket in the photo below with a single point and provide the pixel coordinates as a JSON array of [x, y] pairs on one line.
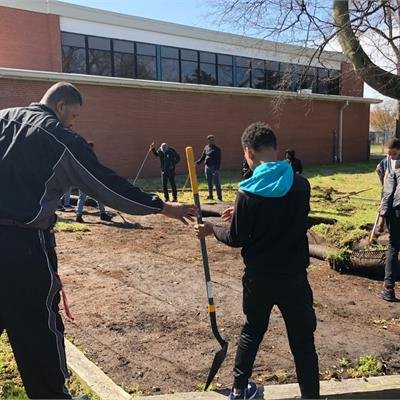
[[168, 159], [391, 193], [40, 160], [271, 231], [211, 156], [296, 165]]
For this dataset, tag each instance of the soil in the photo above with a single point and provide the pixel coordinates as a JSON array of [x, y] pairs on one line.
[[139, 302]]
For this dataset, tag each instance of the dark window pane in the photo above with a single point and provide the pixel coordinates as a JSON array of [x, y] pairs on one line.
[[255, 63], [225, 75], [272, 65], [284, 67], [169, 52], [273, 80], [207, 57], [123, 46], [99, 43], [74, 60], [258, 79], [243, 77], [72, 39], [124, 65], [146, 67], [169, 70], [323, 81], [189, 72], [208, 74], [334, 82], [224, 59], [243, 62], [99, 62], [146, 49], [189, 55]]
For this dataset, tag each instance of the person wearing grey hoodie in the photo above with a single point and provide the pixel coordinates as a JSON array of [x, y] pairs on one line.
[[269, 223]]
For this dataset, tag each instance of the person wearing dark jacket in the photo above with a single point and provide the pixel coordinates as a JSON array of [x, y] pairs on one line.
[[246, 170], [211, 157], [168, 160], [390, 210], [296, 164], [269, 223], [40, 159]]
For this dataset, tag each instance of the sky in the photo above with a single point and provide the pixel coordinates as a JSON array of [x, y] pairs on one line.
[[198, 13]]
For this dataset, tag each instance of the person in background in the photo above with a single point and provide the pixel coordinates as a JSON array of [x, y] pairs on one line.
[[388, 164], [246, 170], [296, 164], [211, 157], [81, 204], [168, 160]]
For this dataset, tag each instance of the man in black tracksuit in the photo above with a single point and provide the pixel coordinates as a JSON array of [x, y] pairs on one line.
[[168, 160], [211, 157], [40, 159], [269, 223]]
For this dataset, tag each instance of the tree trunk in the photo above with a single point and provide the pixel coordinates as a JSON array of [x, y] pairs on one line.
[[383, 81]]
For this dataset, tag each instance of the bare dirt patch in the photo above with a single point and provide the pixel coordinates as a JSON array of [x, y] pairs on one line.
[[139, 300]]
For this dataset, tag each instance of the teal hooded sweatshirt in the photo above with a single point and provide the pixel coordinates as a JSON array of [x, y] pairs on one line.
[[272, 179]]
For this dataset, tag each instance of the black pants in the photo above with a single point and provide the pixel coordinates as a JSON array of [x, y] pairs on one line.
[[293, 296], [29, 297], [165, 177], [391, 266]]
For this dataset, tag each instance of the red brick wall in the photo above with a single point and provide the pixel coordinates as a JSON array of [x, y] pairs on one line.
[[29, 40], [124, 121], [351, 83]]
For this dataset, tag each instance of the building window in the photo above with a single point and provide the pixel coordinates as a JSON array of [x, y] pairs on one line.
[[285, 82], [258, 77], [225, 70], [170, 64], [323, 81], [73, 51], [334, 82], [99, 51], [127, 59], [189, 66], [243, 72], [208, 69], [124, 58], [146, 61]]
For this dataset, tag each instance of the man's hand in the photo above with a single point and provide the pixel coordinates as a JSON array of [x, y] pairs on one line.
[[182, 212], [227, 214], [203, 230], [151, 146]]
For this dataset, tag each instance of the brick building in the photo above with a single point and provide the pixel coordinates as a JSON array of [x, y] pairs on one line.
[[145, 80]]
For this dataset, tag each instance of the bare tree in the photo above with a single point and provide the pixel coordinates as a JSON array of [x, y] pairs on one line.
[[316, 23], [383, 119]]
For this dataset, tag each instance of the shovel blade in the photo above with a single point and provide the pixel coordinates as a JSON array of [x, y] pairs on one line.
[[218, 360]]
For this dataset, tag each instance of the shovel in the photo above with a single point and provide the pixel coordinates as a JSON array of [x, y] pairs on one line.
[[221, 354]]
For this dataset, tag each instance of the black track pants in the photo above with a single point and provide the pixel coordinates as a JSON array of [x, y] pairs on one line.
[[293, 296], [29, 297]]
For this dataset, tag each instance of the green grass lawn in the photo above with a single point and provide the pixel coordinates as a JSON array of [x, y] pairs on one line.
[[377, 150]]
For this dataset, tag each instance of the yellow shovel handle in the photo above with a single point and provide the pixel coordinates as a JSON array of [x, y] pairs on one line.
[[192, 169]]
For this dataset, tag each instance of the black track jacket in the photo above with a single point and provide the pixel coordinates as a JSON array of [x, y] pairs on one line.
[[40, 160], [272, 231]]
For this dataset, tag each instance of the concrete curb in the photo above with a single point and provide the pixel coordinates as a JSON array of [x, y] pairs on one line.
[[382, 387], [97, 381]]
